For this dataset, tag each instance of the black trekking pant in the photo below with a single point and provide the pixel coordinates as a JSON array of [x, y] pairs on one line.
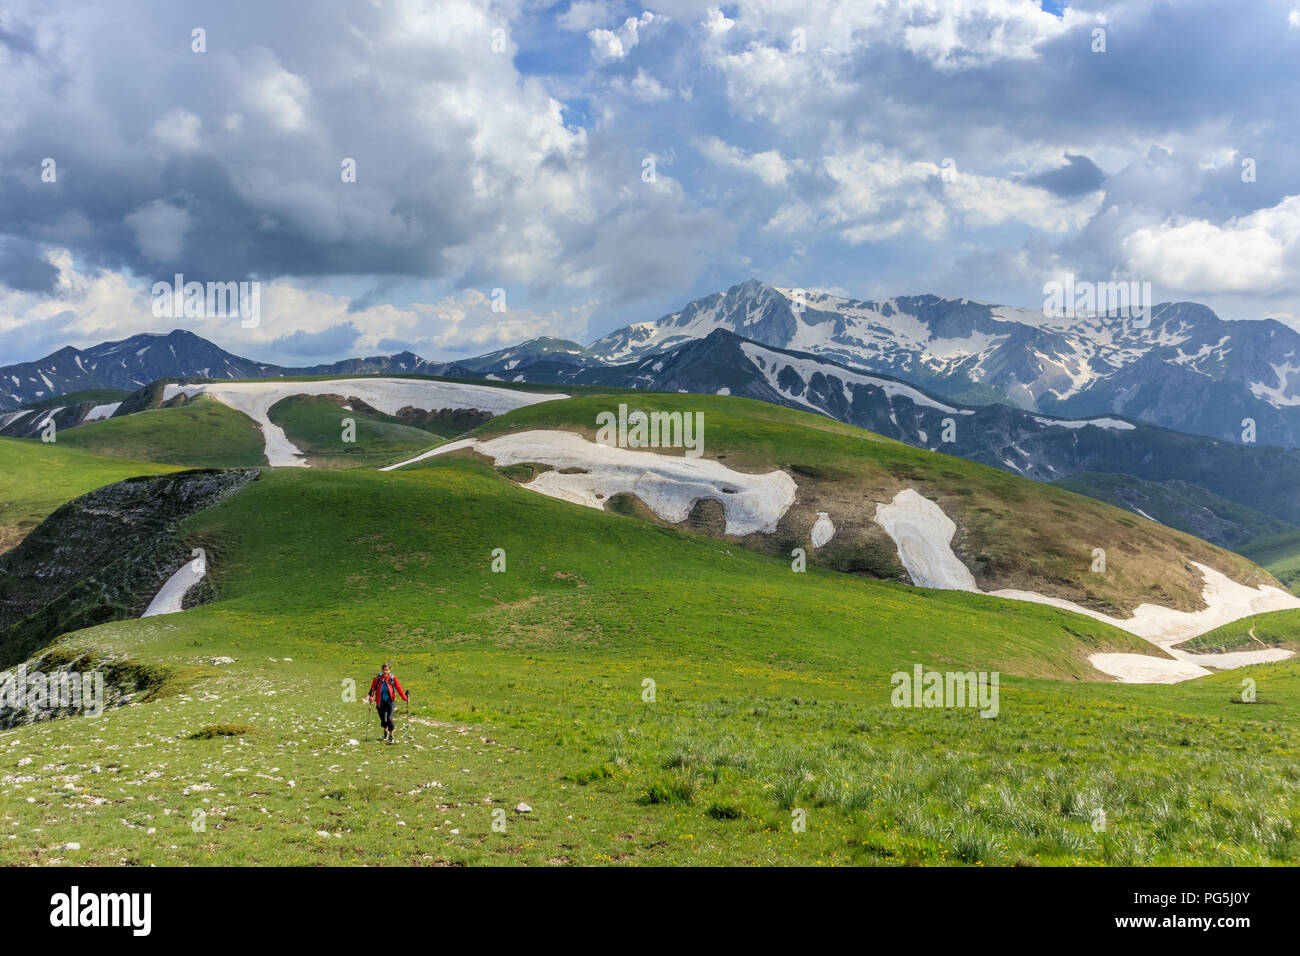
[[386, 714]]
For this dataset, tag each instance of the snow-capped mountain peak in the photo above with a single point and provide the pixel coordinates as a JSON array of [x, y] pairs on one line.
[[1180, 366]]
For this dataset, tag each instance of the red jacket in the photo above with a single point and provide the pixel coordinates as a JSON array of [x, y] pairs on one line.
[[392, 682]]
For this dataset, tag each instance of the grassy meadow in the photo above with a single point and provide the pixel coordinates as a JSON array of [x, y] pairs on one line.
[[655, 696]]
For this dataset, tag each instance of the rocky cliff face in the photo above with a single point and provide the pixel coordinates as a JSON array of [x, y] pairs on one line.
[[101, 557]]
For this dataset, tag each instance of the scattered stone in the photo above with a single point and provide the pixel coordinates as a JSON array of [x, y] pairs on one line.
[[221, 660], [523, 808]]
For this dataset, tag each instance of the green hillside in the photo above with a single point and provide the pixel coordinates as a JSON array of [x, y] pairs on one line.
[[196, 434], [1275, 629], [1280, 555], [772, 694], [104, 396], [1180, 505], [314, 425], [38, 477], [1011, 532]]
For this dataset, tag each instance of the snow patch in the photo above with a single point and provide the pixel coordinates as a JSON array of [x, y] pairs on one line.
[[1226, 601], [388, 395], [806, 368], [1281, 395], [923, 535], [669, 486], [822, 530], [13, 417], [101, 411], [1144, 669], [168, 599], [1113, 424]]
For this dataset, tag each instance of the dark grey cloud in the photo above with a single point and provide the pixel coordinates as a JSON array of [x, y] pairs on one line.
[[391, 345], [19, 40], [23, 268], [1079, 175], [335, 340]]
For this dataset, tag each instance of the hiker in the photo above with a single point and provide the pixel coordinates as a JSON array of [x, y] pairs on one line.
[[384, 691]]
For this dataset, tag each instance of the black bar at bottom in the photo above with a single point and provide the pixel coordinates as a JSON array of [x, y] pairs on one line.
[[338, 906]]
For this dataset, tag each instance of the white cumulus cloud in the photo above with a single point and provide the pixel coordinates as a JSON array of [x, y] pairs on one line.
[[610, 45], [1257, 253]]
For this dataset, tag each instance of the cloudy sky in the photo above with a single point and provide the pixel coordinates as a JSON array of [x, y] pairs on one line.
[[606, 162]]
